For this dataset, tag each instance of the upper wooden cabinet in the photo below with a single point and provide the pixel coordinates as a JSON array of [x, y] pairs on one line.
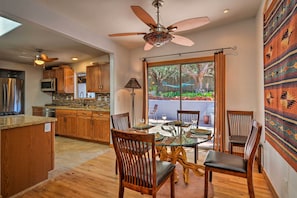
[[65, 80], [98, 78], [49, 74]]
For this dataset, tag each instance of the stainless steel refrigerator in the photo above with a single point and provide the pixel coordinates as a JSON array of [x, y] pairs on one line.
[[11, 96]]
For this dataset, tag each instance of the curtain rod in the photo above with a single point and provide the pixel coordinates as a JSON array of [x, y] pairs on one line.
[[179, 54]]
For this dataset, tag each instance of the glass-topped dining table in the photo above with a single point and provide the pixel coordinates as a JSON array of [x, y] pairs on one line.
[[171, 138]]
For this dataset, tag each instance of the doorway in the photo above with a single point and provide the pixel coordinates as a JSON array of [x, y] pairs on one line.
[[184, 85]]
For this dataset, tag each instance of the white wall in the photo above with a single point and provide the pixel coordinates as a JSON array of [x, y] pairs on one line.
[[282, 176], [33, 95]]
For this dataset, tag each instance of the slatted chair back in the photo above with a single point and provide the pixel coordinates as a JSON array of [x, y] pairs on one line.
[[121, 121], [136, 157], [189, 116], [252, 143], [239, 122]]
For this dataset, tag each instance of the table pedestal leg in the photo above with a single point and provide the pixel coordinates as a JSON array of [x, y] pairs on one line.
[[178, 154]]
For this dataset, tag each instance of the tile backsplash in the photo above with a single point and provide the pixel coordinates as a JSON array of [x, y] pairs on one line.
[[101, 100]]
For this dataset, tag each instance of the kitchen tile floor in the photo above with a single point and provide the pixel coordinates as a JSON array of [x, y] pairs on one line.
[[70, 153]]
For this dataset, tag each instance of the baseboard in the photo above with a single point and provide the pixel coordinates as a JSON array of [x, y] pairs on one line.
[[270, 186]]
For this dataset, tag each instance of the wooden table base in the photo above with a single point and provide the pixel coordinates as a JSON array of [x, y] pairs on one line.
[[178, 154]]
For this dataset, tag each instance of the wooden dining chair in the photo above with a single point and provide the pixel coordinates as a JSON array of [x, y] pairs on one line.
[[121, 122], [233, 164], [139, 169], [238, 127], [189, 116]]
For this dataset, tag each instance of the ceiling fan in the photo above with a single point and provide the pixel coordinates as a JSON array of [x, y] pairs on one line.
[[42, 58], [158, 34]]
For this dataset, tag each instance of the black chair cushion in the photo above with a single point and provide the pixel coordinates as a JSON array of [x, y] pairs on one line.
[[163, 170], [225, 161]]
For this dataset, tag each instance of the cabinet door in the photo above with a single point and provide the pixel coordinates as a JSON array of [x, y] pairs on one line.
[[105, 78], [93, 78], [101, 126], [84, 124], [68, 80], [70, 125], [37, 111], [60, 80], [65, 80], [66, 121]]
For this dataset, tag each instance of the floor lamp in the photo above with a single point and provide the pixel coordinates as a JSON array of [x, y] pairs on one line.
[[133, 84]]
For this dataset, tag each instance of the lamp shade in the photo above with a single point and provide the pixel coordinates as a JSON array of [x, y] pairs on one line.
[[133, 83]]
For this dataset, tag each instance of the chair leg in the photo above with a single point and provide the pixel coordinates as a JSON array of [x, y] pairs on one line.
[[210, 176], [172, 190], [250, 186], [196, 153], [206, 183], [116, 166], [230, 148], [121, 190], [259, 158]]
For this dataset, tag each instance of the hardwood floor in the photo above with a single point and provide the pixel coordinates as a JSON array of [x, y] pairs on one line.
[[78, 181]]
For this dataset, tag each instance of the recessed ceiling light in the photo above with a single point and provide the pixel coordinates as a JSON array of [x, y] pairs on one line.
[[7, 25], [74, 58], [226, 11]]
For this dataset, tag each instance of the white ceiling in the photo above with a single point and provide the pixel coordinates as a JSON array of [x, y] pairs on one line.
[[113, 16]]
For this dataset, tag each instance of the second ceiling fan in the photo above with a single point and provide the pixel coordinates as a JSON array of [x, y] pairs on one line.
[[158, 34], [41, 58]]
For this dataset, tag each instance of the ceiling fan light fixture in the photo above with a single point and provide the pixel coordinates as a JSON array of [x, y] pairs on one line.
[[38, 62], [157, 39]]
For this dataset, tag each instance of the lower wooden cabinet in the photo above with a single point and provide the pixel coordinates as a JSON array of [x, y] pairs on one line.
[[89, 125], [84, 126], [66, 121], [101, 124]]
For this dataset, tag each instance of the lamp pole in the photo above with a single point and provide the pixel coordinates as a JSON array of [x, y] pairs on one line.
[[133, 95], [133, 84]]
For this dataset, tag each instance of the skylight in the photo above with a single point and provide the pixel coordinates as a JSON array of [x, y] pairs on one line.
[[7, 25]]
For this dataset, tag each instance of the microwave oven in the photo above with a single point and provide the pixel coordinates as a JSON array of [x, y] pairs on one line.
[[48, 84]]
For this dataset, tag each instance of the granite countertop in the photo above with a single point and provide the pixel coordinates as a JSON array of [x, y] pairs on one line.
[[13, 121]]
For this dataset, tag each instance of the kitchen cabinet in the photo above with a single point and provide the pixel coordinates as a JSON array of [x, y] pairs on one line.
[[84, 127], [84, 124], [37, 111], [98, 78], [27, 155], [65, 80], [101, 126], [49, 74], [66, 121]]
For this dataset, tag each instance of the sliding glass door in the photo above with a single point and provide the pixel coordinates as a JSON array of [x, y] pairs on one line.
[[187, 86]]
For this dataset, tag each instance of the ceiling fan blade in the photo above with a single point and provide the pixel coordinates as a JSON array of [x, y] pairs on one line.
[[51, 59], [180, 40], [144, 16], [127, 34], [188, 24], [148, 46], [45, 58]]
